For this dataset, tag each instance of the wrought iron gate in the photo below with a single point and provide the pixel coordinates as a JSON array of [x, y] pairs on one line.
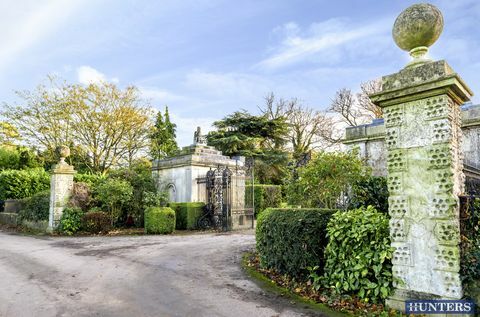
[[218, 208], [229, 198]]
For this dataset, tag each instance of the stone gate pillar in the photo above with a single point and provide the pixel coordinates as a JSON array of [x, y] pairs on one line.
[[61, 185], [422, 119]]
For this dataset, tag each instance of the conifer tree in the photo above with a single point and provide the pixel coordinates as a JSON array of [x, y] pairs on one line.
[[162, 138]]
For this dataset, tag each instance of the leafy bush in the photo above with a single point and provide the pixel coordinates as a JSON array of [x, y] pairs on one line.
[[19, 157], [159, 220], [96, 222], [358, 254], [371, 191], [291, 240], [187, 214], [9, 158], [81, 196], [114, 194], [155, 199], [326, 179], [266, 196], [141, 180], [71, 220], [470, 249], [91, 179], [17, 184], [36, 208]]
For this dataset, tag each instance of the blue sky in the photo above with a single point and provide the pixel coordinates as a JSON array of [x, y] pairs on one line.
[[205, 59]]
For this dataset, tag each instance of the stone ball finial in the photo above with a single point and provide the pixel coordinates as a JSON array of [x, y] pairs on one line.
[[417, 28]]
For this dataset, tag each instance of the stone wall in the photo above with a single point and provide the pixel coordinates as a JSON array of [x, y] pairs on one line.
[[370, 141]]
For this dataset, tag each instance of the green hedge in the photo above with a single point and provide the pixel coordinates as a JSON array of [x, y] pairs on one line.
[[358, 255], [36, 208], [17, 184], [290, 240], [187, 214], [266, 196], [159, 220]]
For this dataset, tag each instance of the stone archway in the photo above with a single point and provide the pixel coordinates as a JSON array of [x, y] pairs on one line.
[[172, 192]]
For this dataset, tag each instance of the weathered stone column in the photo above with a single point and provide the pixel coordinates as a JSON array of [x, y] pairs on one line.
[[423, 135], [61, 185]]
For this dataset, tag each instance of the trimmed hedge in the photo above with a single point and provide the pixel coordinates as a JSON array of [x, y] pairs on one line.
[[17, 184], [291, 240], [159, 220], [187, 214], [36, 208], [358, 254], [266, 196]]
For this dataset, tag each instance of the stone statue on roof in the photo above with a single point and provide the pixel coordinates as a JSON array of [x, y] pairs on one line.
[[198, 138]]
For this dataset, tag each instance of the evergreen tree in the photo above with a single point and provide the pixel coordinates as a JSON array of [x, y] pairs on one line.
[[162, 138]]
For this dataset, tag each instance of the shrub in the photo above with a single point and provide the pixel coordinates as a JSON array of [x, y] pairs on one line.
[[91, 179], [159, 220], [36, 208], [358, 254], [266, 196], [96, 222], [155, 199], [291, 240], [9, 158], [17, 184], [141, 180], [81, 196], [71, 220], [114, 194], [187, 214], [325, 180], [371, 191]]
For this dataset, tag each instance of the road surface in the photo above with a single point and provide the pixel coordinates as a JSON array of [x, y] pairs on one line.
[[188, 275]]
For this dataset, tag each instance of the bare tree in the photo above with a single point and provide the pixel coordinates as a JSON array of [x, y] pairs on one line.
[[309, 129], [357, 109], [367, 88]]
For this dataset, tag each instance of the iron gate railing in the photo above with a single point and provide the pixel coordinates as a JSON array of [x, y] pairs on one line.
[[227, 198]]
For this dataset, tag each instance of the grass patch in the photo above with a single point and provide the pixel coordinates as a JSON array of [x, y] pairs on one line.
[[322, 300], [267, 284]]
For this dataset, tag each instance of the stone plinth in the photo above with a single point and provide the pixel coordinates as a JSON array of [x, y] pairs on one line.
[[61, 185], [424, 161]]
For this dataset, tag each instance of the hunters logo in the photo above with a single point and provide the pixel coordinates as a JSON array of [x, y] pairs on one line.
[[439, 307]]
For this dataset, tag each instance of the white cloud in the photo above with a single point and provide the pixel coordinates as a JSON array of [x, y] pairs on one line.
[[89, 75], [319, 37]]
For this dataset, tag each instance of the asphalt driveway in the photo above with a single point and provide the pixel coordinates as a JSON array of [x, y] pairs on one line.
[[194, 275]]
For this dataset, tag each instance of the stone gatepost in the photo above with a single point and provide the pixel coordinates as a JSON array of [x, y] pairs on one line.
[[422, 119], [61, 185]]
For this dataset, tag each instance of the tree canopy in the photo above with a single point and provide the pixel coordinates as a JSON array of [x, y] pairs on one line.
[[107, 126]]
